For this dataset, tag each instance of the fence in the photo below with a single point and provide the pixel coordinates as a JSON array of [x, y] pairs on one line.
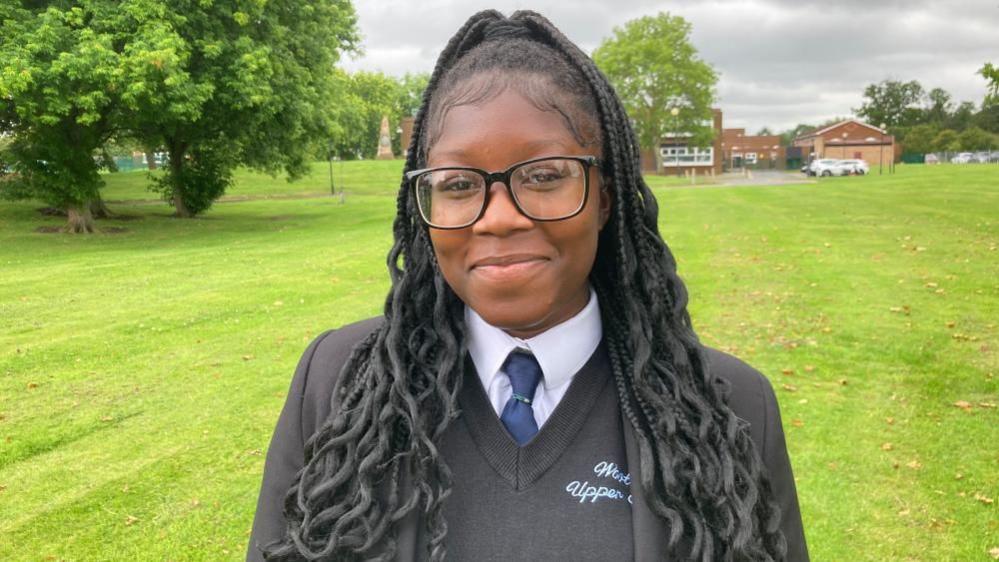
[[961, 157]]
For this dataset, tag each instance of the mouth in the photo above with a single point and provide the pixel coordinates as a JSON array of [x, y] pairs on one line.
[[508, 268]]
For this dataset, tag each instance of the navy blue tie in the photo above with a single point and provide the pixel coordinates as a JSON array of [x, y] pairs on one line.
[[518, 414]]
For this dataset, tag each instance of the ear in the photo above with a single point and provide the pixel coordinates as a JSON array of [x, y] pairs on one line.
[[606, 202]]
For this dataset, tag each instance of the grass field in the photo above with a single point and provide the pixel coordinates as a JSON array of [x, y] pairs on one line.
[[141, 372]]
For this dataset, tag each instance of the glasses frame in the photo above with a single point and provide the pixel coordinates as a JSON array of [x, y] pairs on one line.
[[504, 177]]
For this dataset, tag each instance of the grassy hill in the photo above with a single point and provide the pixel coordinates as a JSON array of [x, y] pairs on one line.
[[142, 369]]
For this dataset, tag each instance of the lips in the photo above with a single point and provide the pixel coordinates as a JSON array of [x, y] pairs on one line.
[[509, 268]]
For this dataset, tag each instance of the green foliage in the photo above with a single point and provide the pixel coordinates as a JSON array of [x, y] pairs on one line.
[[59, 70], [921, 138], [991, 74], [892, 103], [234, 82], [363, 99], [946, 141], [974, 138], [654, 68], [788, 136]]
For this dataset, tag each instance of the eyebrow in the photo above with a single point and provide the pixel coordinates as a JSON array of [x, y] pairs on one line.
[[461, 153]]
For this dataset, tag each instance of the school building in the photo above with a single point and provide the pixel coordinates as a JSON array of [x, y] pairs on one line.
[[740, 150], [679, 157], [850, 139]]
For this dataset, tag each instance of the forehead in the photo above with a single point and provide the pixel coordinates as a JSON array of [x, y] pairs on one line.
[[507, 103], [507, 124]]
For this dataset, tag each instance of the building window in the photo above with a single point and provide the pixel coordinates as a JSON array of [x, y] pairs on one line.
[[750, 158], [687, 156]]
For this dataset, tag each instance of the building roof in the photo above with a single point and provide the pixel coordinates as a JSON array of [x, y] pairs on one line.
[[840, 124]]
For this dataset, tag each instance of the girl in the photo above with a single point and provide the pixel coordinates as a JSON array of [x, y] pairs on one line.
[[535, 388]]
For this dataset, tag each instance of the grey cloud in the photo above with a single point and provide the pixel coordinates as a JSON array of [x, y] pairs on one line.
[[781, 62]]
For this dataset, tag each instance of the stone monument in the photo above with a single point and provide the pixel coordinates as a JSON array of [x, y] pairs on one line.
[[384, 142]]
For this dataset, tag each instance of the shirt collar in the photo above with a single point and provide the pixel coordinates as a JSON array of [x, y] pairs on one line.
[[561, 350]]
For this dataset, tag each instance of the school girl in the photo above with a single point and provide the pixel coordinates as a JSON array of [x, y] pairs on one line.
[[535, 389]]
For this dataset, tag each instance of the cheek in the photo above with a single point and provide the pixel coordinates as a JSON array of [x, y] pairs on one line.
[[449, 249]]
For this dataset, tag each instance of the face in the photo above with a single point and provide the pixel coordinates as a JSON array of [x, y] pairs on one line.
[[519, 275]]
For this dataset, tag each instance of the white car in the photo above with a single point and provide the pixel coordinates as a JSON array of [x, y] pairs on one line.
[[962, 158], [826, 167], [855, 166]]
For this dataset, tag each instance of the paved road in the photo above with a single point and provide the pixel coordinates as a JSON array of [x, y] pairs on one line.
[[764, 177]]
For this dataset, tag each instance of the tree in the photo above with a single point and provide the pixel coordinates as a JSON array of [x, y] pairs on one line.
[[921, 138], [892, 103], [788, 136], [764, 132], [963, 116], [946, 141], [938, 107], [991, 74], [222, 83], [974, 138], [654, 68], [58, 75]]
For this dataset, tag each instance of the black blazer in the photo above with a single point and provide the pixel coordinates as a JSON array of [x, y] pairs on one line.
[[308, 404]]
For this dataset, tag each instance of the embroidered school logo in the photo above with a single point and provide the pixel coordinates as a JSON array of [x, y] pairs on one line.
[[587, 492]]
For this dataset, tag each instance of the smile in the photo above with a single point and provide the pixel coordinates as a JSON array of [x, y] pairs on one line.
[[508, 268]]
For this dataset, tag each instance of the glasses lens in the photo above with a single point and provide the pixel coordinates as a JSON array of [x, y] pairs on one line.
[[550, 189], [449, 198]]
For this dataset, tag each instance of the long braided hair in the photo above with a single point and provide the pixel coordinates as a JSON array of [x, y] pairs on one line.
[[397, 394]]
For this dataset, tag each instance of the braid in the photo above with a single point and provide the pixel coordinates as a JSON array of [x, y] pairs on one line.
[[397, 393]]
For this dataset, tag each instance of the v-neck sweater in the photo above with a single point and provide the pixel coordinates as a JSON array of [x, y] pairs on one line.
[[564, 495]]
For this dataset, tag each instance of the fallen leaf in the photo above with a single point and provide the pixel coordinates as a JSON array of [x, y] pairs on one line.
[[886, 446], [994, 551], [787, 371], [980, 404], [842, 382], [247, 357], [131, 519], [958, 476], [32, 385], [890, 421], [951, 324], [809, 368], [797, 423], [789, 387], [914, 464], [106, 418], [903, 513], [964, 405], [982, 498]]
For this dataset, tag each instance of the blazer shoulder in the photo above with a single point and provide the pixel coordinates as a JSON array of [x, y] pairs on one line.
[[329, 351], [750, 394]]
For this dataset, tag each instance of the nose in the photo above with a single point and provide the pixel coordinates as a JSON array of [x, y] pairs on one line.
[[501, 216]]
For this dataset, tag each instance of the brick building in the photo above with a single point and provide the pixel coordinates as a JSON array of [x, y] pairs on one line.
[[680, 158], [849, 139], [740, 150]]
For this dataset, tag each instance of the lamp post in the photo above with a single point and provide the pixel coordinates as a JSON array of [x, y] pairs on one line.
[[676, 136], [881, 155]]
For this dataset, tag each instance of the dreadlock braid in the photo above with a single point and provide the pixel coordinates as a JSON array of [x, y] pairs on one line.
[[397, 394]]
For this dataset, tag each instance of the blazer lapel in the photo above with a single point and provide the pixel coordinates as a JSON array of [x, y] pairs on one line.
[[648, 530]]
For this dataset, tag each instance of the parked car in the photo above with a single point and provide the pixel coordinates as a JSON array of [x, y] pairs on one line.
[[963, 158], [855, 166], [827, 167], [931, 159]]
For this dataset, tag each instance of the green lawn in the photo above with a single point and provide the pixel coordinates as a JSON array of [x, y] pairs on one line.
[[141, 372]]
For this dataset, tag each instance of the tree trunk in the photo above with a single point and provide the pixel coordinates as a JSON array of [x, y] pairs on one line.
[[99, 210], [80, 221], [176, 164]]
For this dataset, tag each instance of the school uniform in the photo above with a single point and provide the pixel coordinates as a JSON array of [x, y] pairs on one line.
[[571, 492]]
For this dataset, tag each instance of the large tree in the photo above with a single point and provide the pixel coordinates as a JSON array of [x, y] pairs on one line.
[[222, 83], [59, 72], [654, 68], [893, 103], [991, 74]]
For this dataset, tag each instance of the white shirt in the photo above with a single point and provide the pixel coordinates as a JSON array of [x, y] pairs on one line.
[[561, 351]]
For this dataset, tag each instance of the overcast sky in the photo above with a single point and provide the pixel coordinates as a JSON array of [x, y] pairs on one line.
[[780, 62]]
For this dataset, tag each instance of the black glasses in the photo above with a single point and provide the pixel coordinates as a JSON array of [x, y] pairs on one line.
[[544, 189]]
